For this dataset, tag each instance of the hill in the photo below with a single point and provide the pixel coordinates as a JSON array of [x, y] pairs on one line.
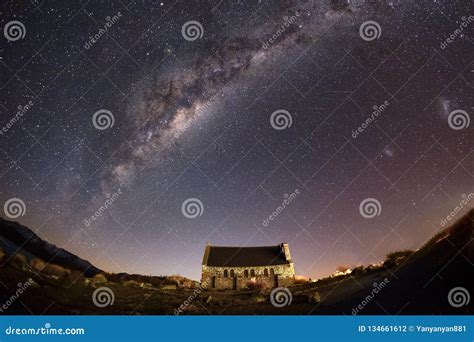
[[408, 282]]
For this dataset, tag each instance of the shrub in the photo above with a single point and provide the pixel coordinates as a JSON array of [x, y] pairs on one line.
[[37, 264], [257, 287], [396, 258], [359, 271], [100, 278], [19, 260], [56, 270]]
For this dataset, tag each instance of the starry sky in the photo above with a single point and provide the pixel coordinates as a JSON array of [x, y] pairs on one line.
[[178, 123]]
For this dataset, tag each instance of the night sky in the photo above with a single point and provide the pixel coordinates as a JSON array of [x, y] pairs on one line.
[[166, 118]]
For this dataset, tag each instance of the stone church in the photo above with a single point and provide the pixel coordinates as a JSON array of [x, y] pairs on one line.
[[237, 267]]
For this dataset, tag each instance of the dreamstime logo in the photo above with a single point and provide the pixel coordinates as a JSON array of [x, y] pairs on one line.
[[458, 119], [22, 110], [288, 198], [190, 299], [459, 32], [110, 21], [192, 30], [19, 291], [103, 119], [466, 198], [458, 296], [288, 21], [377, 288], [102, 297], [192, 208], [370, 207], [280, 297], [377, 110], [370, 30], [14, 208], [108, 204], [281, 119], [14, 30]]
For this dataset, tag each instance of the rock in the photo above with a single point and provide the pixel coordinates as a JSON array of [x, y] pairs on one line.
[[258, 299], [37, 264], [131, 283], [56, 271], [19, 260], [169, 287], [314, 298], [99, 278]]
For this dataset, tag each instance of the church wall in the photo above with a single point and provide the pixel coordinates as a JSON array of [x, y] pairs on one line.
[[283, 275]]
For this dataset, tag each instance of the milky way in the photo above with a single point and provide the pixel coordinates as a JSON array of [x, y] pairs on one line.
[[190, 119], [169, 107]]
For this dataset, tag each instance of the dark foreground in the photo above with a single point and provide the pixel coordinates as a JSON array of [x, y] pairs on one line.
[[407, 283]]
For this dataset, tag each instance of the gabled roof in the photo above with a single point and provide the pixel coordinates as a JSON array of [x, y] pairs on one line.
[[244, 256]]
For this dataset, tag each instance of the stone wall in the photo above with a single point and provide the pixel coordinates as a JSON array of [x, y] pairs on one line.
[[272, 276]]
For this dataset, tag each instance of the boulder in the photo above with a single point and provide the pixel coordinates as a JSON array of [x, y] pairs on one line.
[[169, 287], [37, 264], [19, 260], [99, 278], [258, 299], [57, 271], [314, 298]]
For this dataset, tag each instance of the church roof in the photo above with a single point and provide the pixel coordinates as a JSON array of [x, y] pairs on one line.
[[244, 256]]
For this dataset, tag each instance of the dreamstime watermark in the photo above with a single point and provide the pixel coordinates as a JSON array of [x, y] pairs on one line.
[[288, 198], [459, 32], [459, 119], [46, 330], [107, 204], [377, 288], [192, 30], [457, 209], [22, 110], [14, 30], [281, 119], [370, 30], [14, 208], [280, 297], [200, 109], [190, 299], [377, 110], [14, 297], [110, 21], [281, 30], [459, 296], [370, 208], [103, 119], [192, 208], [103, 296]]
